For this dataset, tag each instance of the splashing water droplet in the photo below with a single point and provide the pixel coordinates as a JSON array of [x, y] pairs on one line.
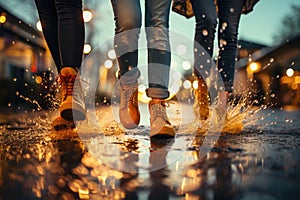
[[223, 42], [224, 25], [204, 32]]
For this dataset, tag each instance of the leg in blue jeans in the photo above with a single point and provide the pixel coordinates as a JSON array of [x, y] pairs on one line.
[[229, 18], [128, 23], [159, 56]]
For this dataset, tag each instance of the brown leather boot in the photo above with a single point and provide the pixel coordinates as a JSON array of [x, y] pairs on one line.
[[129, 113], [202, 99], [72, 103], [160, 126]]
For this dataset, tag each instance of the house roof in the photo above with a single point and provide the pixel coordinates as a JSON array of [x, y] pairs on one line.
[[17, 28], [284, 53], [244, 44]]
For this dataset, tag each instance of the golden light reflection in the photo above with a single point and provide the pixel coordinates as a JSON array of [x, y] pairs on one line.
[[38, 79], [292, 81], [195, 85], [254, 67], [2, 19]]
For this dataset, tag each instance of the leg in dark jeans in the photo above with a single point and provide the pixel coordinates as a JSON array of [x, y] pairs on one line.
[[206, 23], [229, 18], [63, 29]]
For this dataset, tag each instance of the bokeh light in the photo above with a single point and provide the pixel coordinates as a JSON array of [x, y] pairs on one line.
[[187, 84], [87, 48], [87, 15], [186, 65], [39, 26], [108, 64], [290, 72], [254, 67], [181, 49], [112, 54]]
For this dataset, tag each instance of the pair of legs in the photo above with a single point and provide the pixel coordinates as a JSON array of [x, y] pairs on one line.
[[128, 20], [228, 13], [63, 28]]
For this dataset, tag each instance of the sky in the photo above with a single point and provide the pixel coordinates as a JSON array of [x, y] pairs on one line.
[[258, 26], [262, 24]]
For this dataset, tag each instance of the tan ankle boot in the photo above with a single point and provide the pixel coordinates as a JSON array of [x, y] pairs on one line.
[[129, 111], [160, 126], [72, 104], [202, 99]]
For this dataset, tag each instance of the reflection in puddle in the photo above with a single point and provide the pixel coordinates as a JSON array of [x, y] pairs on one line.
[[37, 163]]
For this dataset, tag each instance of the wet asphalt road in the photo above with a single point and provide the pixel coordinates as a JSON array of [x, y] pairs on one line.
[[260, 162]]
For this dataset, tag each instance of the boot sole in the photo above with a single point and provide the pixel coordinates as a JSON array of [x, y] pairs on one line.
[[62, 124], [71, 111], [164, 133]]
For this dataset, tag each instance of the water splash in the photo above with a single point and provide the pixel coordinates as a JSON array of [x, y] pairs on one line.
[[240, 114]]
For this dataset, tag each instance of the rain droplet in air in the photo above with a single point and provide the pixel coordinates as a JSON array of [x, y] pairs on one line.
[[224, 25], [223, 42], [204, 32]]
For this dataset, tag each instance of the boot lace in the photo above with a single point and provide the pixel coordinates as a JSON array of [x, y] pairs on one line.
[[67, 82], [129, 94], [158, 110]]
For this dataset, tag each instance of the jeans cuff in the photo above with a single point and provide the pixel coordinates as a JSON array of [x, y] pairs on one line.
[[158, 93], [130, 78]]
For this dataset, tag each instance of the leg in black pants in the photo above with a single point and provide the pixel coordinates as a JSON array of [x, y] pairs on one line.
[[63, 28]]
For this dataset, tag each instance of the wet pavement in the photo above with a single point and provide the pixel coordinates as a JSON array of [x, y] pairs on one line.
[[260, 162]]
